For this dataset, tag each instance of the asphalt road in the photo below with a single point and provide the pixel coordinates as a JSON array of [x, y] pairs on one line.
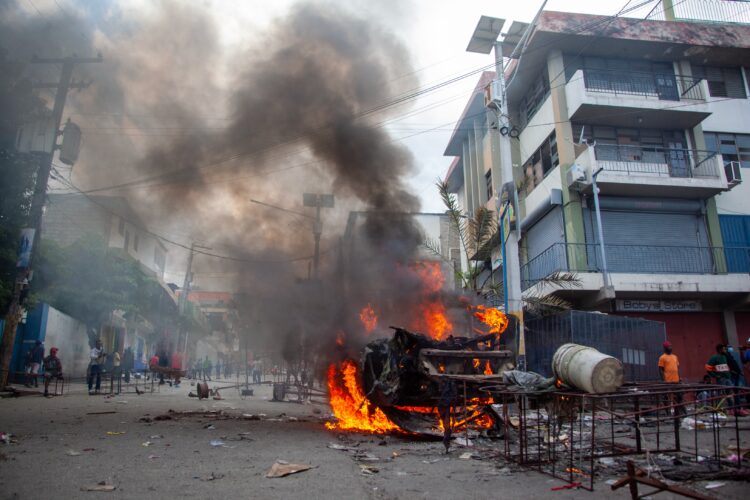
[[61, 447]]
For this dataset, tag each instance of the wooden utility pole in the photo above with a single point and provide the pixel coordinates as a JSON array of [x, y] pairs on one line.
[[15, 310]]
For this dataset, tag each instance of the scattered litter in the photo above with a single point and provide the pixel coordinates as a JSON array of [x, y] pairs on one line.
[[250, 416], [463, 441], [245, 436], [89, 449], [335, 446], [209, 427], [368, 470], [121, 402], [281, 468], [395, 454], [163, 417], [434, 460], [607, 461], [714, 485], [366, 457], [146, 419], [213, 477], [100, 486], [115, 433], [217, 442], [156, 436], [4, 438], [570, 486], [610, 482], [72, 453], [151, 457], [467, 456], [147, 443], [101, 412]]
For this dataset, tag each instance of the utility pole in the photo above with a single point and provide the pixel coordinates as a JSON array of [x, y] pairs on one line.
[[186, 284], [37, 202], [484, 40]]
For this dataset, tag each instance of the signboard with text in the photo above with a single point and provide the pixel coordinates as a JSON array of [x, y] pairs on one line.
[[635, 305]]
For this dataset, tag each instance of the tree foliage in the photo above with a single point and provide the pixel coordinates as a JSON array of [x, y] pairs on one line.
[[88, 281], [477, 236]]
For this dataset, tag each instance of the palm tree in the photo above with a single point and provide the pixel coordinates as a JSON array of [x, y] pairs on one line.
[[477, 235]]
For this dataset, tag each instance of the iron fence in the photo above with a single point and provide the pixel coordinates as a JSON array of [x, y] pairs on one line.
[[658, 161], [637, 259]]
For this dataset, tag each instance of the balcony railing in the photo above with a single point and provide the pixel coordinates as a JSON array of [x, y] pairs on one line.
[[666, 87], [637, 259], [658, 161]]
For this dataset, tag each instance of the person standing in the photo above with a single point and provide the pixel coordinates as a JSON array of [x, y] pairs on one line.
[[128, 361], [96, 359], [163, 363], [718, 368], [669, 371], [218, 368], [207, 366], [116, 373], [52, 369], [177, 367], [37, 357]]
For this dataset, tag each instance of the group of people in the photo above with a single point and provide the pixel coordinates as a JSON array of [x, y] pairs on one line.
[[51, 366], [725, 367], [114, 363]]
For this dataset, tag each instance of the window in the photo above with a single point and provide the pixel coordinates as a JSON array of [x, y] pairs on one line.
[[633, 356], [732, 147], [488, 183], [534, 98], [625, 76], [135, 242], [121, 227], [543, 160], [722, 82]]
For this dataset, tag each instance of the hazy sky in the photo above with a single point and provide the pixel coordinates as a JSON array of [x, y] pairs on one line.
[[436, 32]]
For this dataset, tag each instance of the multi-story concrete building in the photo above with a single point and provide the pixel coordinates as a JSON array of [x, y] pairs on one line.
[[69, 216], [658, 111]]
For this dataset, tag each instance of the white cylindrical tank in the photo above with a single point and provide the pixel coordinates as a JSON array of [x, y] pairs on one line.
[[587, 369]]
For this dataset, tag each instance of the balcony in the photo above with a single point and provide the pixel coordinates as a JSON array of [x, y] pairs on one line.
[[625, 99], [641, 170], [637, 260]]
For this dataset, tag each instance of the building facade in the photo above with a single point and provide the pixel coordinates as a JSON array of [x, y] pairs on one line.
[[656, 113]]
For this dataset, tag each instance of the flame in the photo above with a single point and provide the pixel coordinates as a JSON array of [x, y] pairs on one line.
[[475, 362], [431, 318], [349, 404], [494, 318], [488, 368], [368, 318]]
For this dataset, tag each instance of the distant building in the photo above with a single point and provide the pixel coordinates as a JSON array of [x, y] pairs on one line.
[[69, 216]]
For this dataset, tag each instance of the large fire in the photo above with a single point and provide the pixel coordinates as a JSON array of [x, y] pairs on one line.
[[368, 318], [349, 404], [432, 318], [494, 318]]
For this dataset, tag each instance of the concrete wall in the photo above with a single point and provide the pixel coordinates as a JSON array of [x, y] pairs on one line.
[[537, 130], [68, 218], [68, 335]]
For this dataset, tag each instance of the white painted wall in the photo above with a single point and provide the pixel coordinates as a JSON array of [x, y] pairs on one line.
[[68, 335], [537, 130]]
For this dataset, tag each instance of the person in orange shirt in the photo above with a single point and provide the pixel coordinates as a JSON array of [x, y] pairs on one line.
[[669, 365], [669, 370]]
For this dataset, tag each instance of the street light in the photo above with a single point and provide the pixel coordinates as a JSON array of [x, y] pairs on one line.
[[483, 41]]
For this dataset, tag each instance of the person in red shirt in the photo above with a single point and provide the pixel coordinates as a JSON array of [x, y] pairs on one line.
[[177, 367]]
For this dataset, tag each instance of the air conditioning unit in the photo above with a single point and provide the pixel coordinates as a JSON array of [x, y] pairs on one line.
[[576, 177], [733, 171]]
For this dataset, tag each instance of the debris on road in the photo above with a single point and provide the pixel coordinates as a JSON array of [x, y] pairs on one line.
[[73, 453], [713, 486], [110, 412], [115, 433], [281, 468], [100, 486], [368, 470], [213, 477]]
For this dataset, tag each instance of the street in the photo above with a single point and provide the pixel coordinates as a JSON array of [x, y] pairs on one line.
[[61, 445]]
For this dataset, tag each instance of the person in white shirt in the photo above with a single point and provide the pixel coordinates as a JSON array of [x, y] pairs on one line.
[[96, 358]]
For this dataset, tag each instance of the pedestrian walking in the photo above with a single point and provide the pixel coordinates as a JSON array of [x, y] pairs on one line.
[[97, 356], [52, 369]]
